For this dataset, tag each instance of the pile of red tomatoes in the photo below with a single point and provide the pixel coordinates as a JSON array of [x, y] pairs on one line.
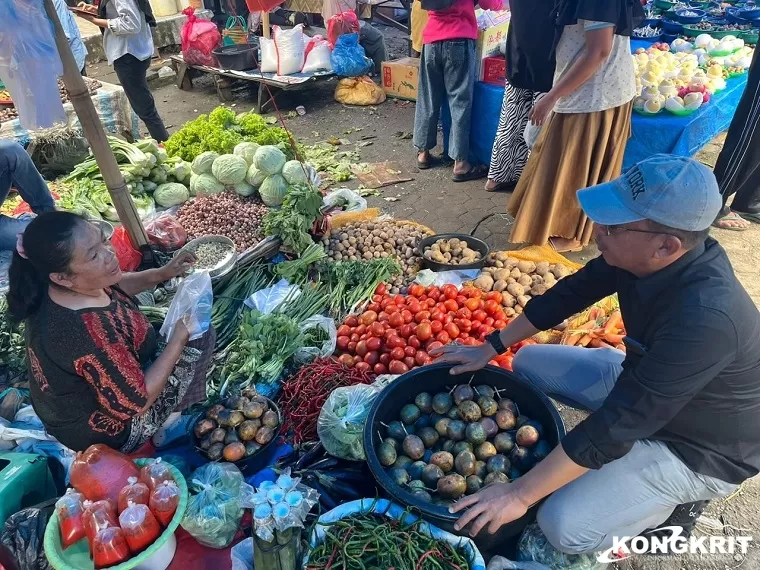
[[397, 332]]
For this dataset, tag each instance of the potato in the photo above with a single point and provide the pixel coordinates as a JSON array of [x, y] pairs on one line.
[[437, 256], [501, 256], [467, 252], [447, 256], [538, 289], [526, 266], [500, 285], [509, 312], [501, 274], [507, 299], [560, 271], [515, 273], [518, 310], [537, 280], [484, 282], [549, 279], [516, 289], [525, 280], [522, 300], [511, 280], [542, 268], [444, 247], [499, 264]]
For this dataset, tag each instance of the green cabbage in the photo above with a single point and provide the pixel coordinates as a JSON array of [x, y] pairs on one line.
[[243, 189], [207, 184], [269, 160], [171, 194], [193, 186], [202, 163], [247, 150], [255, 177], [294, 172], [229, 169], [273, 190]]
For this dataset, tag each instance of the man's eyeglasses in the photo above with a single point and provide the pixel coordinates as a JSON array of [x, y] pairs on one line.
[[609, 230]]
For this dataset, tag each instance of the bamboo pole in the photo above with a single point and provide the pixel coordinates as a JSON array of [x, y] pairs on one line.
[[96, 136], [265, 24]]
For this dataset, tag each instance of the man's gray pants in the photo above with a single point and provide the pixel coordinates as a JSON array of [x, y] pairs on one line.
[[639, 491]]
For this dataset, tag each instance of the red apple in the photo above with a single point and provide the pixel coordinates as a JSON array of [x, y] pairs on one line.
[[706, 98]]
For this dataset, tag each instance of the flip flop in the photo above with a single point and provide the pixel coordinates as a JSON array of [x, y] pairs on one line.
[[429, 163], [503, 187], [750, 217], [730, 217], [474, 173]]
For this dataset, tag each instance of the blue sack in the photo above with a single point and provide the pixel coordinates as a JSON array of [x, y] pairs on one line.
[[348, 58]]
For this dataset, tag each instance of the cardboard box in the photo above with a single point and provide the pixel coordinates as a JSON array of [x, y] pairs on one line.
[[488, 45], [401, 77], [494, 70]]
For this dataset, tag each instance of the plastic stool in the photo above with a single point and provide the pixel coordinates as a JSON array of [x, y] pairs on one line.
[[25, 480]]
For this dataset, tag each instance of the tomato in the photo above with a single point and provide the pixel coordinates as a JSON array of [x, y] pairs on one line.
[[357, 358], [397, 353], [434, 294], [475, 327], [381, 289], [368, 317], [471, 342], [361, 348], [449, 291], [410, 351], [385, 358], [396, 342], [499, 324], [383, 317], [461, 300], [499, 316], [392, 308], [423, 331], [472, 304], [363, 366], [361, 329], [422, 358], [436, 315], [479, 315], [415, 306], [352, 321], [443, 337], [372, 358], [375, 307], [436, 327], [451, 305], [488, 321], [431, 346], [346, 360], [374, 343], [464, 313], [397, 367], [365, 336], [430, 303], [486, 330], [474, 292], [447, 319], [385, 302], [452, 330], [380, 368], [422, 298], [414, 341], [465, 325], [410, 362], [491, 307], [351, 347], [399, 300], [407, 316], [344, 330], [342, 342], [354, 338], [416, 290], [406, 331], [377, 329], [396, 320], [422, 316], [494, 296]]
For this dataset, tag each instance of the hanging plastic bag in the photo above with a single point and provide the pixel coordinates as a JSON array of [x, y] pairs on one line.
[[100, 472], [326, 347], [343, 23], [290, 49], [317, 55], [191, 304], [348, 58], [199, 38], [164, 501], [268, 61], [135, 491], [155, 473], [164, 230], [141, 529], [24, 535], [359, 91], [69, 510], [341, 422], [109, 547], [129, 258]]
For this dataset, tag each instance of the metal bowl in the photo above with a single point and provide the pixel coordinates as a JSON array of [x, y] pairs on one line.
[[107, 227], [225, 265]]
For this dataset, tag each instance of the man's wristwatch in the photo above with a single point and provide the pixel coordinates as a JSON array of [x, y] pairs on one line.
[[494, 340]]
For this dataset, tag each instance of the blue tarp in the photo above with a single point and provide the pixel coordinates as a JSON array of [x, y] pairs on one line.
[[663, 133]]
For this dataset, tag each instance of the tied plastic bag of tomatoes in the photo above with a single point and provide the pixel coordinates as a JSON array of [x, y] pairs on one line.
[[100, 472], [70, 510], [141, 529], [136, 492], [109, 546], [164, 230]]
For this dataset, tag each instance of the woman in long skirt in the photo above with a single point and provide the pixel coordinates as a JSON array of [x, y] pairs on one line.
[[530, 70]]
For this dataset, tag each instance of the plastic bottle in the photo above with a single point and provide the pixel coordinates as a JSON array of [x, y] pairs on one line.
[[70, 510], [163, 502], [155, 473], [141, 529], [134, 491], [109, 547]]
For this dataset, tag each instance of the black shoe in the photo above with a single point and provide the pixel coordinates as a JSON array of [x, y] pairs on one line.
[[685, 516]]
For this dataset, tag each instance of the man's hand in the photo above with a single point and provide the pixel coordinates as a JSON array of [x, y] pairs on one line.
[[471, 358], [541, 109], [493, 506], [178, 265]]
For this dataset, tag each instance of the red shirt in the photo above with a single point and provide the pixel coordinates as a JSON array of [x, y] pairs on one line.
[[457, 22]]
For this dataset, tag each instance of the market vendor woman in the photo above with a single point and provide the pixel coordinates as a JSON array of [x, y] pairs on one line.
[[96, 371], [676, 419]]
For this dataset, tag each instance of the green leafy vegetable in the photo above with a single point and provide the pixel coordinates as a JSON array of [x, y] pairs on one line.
[[293, 222]]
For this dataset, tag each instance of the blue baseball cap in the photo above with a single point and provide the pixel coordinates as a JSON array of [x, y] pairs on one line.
[[674, 191]]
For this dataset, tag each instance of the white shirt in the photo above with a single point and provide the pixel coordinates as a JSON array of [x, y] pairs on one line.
[[127, 32], [613, 84]]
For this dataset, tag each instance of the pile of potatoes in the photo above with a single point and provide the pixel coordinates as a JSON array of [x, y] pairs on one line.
[[452, 251], [517, 280]]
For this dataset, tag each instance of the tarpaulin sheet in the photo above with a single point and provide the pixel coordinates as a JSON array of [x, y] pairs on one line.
[[663, 133]]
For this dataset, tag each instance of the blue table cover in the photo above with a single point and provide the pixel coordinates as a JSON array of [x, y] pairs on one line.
[[662, 133]]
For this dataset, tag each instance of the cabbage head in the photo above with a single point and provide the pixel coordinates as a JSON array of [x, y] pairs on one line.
[[193, 186], [247, 150], [269, 160], [294, 172], [255, 177], [171, 194], [273, 190], [202, 163], [229, 169], [207, 184], [243, 189]]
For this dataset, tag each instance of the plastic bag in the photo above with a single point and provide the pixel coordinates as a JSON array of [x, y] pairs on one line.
[[533, 546], [531, 134], [129, 258], [192, 304], [164, 501], [97, 515], [309, 353], [343, 23], [348, 58], [346, 199], [242, 555], [30, 64], [359, 91], [23, 537], [501, 563], [341, 422], [70, 510], [290, 49], [267, 300], [268, 61], [109, 547], [213, 514], [317, 56], [199, 38], [155, 473], [135, 491], [141, 529], [165, 231], [100, 472]]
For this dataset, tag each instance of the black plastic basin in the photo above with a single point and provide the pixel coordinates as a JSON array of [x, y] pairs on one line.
[[472, 242], [436, 378], [237, 57]]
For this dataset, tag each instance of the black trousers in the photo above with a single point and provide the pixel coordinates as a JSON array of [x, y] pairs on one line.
[[738, 165], [132, 76]]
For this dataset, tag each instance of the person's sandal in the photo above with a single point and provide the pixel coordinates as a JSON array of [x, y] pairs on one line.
[[474, 173], [503, 187], [732, 217]]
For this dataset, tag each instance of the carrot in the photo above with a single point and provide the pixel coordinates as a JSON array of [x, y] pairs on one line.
[[598, 343], [614, 339], [595, 313], [587, 338], [620, 346], [573, 339], [614, 322]]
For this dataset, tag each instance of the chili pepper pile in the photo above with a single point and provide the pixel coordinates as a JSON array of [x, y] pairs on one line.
[[304, 393], [368, 541]]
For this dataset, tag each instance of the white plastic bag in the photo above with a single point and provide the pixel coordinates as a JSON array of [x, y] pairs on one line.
[[319, 57], [267, 300], [290, 49], [309, 353], [242, 555], [531, 134], [192, 304], [348, 199], [268, 56], [341, 422]]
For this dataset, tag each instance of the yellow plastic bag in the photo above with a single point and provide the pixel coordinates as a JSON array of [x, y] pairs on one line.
[[359, 91]]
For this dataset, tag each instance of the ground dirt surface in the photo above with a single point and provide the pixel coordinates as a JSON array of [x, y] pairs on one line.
[[431, 198]]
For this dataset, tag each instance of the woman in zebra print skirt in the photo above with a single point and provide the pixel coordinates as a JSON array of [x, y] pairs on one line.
[[530, 71]]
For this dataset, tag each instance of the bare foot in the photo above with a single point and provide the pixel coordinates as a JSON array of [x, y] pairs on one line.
[[562, 245], [461, 166], [732, 221]]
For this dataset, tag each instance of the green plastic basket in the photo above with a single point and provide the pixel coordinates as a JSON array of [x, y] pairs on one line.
[[77, 556], [742, 74], [684, 112], [664, 4], [750, 36], [692, 31], [646, 113]]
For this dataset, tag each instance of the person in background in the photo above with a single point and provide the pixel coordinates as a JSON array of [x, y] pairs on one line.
[[530, 71], [373, 42], [447, 72], [738, 166], [128, 43], [586, 118], [419, 21], [70, 28], [18, 171]]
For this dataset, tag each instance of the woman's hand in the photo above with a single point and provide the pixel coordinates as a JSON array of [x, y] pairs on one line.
[[180, 334], [471, 358], [541, 109], [179, 265], [89, 8], [493, 506]]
